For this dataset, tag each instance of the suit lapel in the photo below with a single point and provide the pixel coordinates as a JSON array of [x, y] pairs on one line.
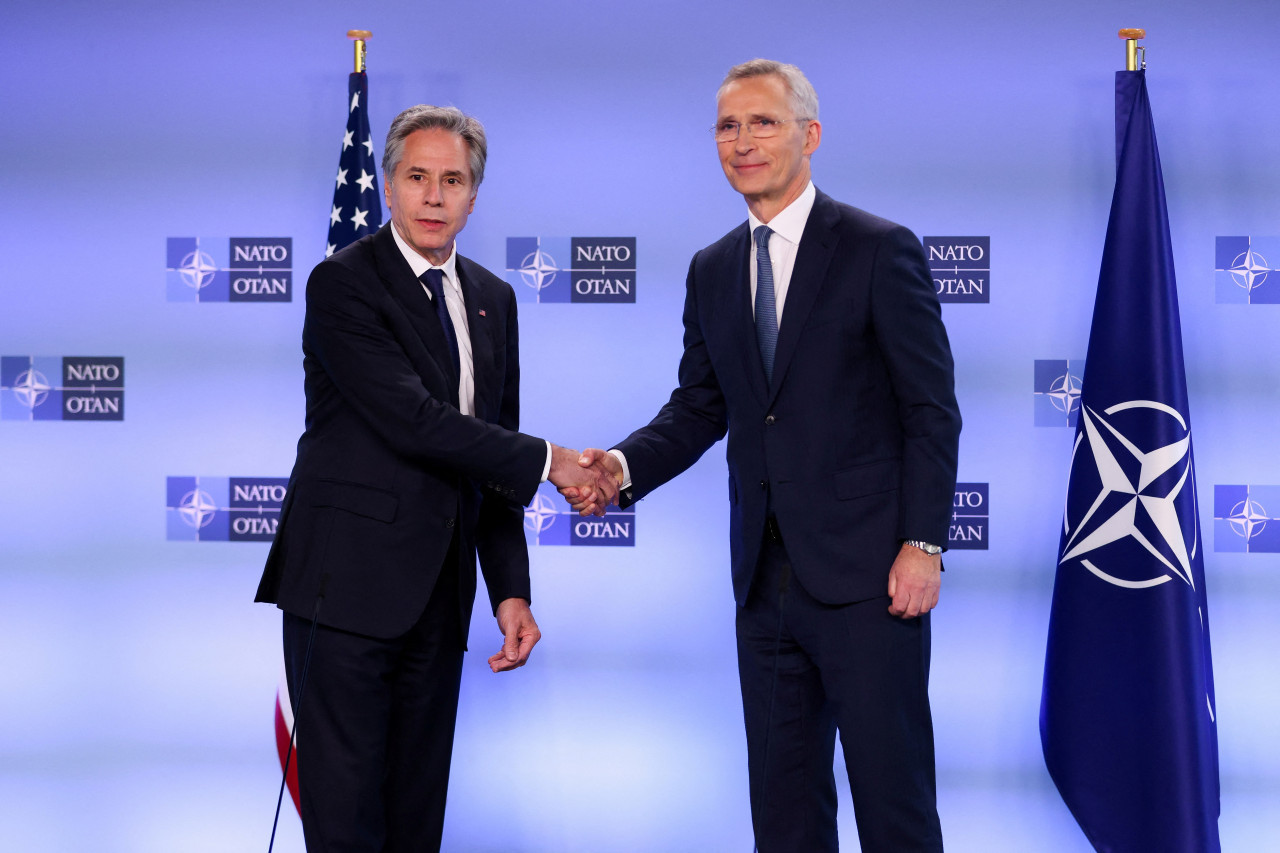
[[408, 292], [817, 245]]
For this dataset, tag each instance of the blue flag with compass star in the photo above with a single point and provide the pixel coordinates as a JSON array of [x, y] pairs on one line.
[[1127, 715]]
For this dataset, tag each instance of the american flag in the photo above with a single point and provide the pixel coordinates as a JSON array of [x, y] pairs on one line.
[[357, 203], [357, 211]]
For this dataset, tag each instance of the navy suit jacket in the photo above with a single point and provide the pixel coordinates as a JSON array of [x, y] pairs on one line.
[[388, 469], [853, 447]]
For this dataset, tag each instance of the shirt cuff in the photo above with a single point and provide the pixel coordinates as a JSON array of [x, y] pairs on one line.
[[546, 469], [626, 470]]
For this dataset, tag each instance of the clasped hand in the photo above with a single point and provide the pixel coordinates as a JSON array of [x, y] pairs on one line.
[[588, 481]]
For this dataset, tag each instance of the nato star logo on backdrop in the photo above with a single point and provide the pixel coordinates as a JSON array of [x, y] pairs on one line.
[[61, 388], [572, 269], [236, 269], [223, 509], [961, 267], [1057, 391], [1246, 519], [1242, 273], [548, 520], [969, 518], [1136, 491]]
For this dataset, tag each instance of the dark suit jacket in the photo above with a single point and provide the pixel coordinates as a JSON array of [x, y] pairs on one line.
[[853, 448], [388, 468]]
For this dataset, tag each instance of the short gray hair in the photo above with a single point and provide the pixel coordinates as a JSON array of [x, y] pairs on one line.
[[804, 100], [426, 117]]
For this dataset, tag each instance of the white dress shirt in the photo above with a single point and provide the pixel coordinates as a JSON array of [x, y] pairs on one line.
[[784, 243], [458, 314]]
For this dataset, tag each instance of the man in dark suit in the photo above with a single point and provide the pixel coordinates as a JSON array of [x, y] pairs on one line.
[[843, 433], [410, 465]]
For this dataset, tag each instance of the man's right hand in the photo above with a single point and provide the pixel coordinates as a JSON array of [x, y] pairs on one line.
[[607, 469], [589, 486]]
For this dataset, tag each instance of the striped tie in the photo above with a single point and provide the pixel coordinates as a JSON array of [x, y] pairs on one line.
[[766, 306]]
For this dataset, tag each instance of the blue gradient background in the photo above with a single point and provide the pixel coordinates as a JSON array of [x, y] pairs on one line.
[[137, 680]]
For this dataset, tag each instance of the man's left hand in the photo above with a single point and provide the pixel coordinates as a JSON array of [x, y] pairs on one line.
[[520, 633], [914, 582]]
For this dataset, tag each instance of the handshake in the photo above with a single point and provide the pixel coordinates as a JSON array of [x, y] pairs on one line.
[[589, 481]]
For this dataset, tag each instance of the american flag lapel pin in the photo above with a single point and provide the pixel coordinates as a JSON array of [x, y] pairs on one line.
[[481, 312]]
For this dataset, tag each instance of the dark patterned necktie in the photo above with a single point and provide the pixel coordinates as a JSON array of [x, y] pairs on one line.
[[434, 280], [766, 303]]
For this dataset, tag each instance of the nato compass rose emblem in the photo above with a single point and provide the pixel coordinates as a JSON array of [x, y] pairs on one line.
[[1242, 275], [197, 508], [1057, 391], [1065, 394], [1248, 519], [1135, 532], [1241, 521], [1249, 270], [31, 388], [197, 269], [538, 269], [540, 515]]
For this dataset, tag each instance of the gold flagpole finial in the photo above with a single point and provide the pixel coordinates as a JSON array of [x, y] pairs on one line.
[[358, 36], [1131, 36]]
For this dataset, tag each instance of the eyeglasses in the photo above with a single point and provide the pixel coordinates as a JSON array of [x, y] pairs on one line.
[[761, 128]]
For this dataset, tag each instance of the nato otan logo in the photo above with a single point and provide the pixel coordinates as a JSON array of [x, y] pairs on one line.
[[1243, 275], [239, 269], [61, 388], [223, 509], [1057, 391], [572, 269], [1131, 517], [1246, 519], [961, 267], [551, 521], [969, 517]]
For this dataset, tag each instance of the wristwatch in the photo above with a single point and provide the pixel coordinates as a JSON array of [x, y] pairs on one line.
[[931, 550]]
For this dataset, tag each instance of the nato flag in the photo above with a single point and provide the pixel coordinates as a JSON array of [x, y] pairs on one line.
[[1127, 714]]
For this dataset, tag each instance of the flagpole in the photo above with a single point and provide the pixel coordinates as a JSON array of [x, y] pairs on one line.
[[1131, 36], [359, 36], [1127, 713], [357, 209]]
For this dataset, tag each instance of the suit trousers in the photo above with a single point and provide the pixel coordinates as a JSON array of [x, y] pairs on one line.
[[375, 728], [810, 669]]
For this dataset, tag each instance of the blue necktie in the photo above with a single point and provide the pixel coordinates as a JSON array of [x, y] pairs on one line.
[[434, 280], [766, 304]]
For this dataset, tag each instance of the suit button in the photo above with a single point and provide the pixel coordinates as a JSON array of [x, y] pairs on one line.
[[449, 523], [768, 420], [764, 484]]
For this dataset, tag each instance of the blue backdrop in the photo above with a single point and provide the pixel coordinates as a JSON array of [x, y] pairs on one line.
[[137, 680]]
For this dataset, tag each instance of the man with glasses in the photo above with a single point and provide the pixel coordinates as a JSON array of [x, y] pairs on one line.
[[813, 336]]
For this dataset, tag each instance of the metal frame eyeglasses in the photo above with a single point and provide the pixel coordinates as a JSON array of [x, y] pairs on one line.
[[761, 128]]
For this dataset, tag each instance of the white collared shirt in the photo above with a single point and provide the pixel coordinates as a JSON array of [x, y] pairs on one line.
[[784, 243], [457, 312]]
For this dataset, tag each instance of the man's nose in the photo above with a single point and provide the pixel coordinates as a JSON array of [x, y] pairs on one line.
[[433, 194]]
